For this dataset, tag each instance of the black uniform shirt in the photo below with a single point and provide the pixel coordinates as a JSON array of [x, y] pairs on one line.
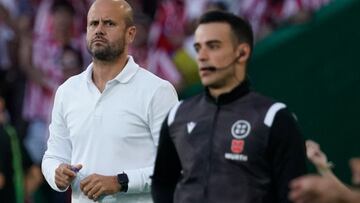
[[242, 147]]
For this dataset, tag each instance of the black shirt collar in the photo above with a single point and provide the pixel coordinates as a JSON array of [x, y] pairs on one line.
[[242, 89]]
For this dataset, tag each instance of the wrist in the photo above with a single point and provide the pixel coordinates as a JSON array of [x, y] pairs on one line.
[[326, 168], [62, 188], [123, 181]]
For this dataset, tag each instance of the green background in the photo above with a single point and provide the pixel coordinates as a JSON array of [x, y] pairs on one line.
[[315, 69]]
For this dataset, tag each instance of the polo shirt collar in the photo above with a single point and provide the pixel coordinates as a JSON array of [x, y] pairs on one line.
[[128, 72], [124, 76]]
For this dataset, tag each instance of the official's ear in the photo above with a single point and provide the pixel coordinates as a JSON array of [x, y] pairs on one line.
[[130, 34], [243, 52]]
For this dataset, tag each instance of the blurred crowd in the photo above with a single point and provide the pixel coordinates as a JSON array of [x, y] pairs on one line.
[[42, 43]]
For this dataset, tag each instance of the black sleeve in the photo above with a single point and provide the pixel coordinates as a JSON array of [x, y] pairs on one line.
[[287, 153], [167, 168]]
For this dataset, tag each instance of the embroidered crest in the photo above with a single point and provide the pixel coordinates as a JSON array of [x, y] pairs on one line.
[[240, 129]]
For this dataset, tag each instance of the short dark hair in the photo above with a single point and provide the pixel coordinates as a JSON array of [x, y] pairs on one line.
[[240, 28]]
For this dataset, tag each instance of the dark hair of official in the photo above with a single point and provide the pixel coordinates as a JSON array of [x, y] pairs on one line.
[[240, 28]]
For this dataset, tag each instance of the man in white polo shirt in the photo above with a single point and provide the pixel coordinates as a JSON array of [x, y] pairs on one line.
[[105, 121]]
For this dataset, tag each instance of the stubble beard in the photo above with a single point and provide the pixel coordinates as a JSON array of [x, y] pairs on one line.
[[109, 53]]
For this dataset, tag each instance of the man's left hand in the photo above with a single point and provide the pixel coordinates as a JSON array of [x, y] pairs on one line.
[[96, 185]]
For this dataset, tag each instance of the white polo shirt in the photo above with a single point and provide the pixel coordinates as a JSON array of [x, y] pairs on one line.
[[109, 132]]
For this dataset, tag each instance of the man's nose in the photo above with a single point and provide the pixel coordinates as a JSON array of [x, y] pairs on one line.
[[99, 30], [202, 55]]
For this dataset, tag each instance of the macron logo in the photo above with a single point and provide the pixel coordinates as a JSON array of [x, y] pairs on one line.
[[190, 127]]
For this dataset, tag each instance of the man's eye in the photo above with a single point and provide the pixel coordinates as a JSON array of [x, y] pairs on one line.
[[93, 24], [109, 23], [196, 49], [213, 46]]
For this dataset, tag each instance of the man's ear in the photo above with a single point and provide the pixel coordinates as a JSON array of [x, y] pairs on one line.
[[130, 34], [243, 52]]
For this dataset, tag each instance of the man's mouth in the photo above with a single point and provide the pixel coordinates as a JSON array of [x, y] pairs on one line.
[[208, 68], [99, 40]]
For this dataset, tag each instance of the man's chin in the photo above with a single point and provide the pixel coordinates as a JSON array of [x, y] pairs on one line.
[[101, 57], [98, 49], [207, 82], [211, 85]]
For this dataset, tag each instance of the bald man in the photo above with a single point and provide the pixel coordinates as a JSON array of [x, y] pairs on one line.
[[105, 121]]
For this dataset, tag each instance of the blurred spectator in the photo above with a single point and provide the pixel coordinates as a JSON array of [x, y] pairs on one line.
[[11, 78], [48, 56], [7, 35], [7, 39], [44, 16], [216, 5], [44, 70], [160, 63], [265, 16], [19, 178], [147, 7], [139, 49], [194, 9], [71, 62], [43, 22], [11, 6], [167, 30], [157, 60]]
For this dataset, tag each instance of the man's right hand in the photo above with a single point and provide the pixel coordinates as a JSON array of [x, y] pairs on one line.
[[65, 174]]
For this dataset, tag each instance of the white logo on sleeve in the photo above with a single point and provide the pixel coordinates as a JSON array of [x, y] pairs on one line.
[[190, 127]]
